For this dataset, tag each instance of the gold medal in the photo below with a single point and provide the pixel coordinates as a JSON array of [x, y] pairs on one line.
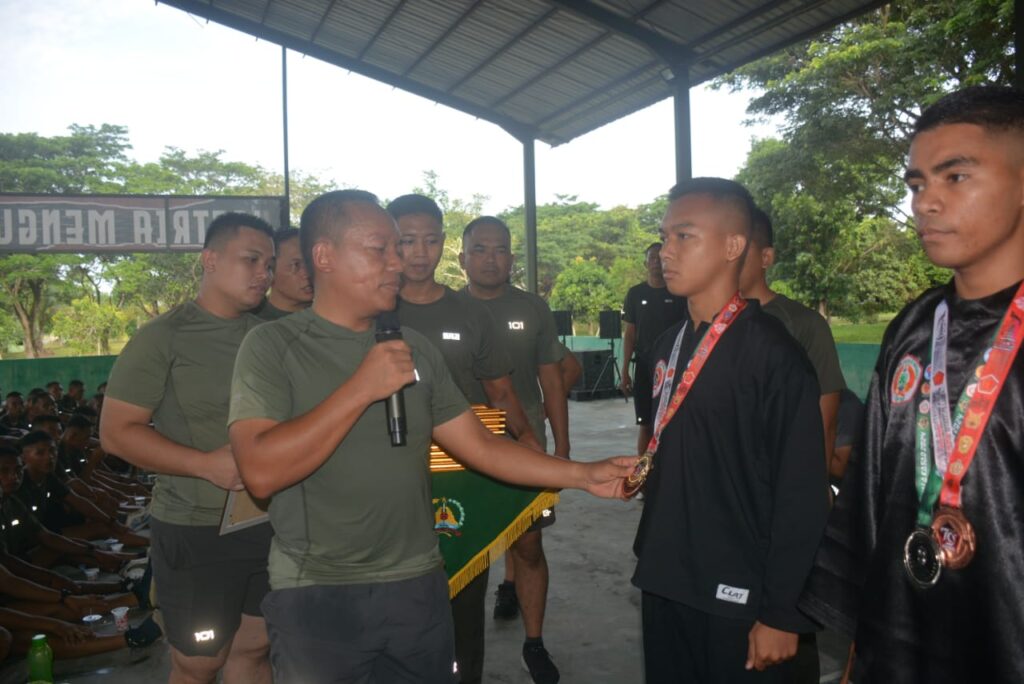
[[955, 537], [635, 482]]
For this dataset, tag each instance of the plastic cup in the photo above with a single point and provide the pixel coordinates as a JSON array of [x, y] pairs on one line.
[[120, 618], [91, 573], [92, 622]]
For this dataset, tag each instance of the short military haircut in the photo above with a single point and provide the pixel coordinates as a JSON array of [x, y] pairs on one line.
[[407, 205], [326, 217], [33, 438], [15, 393], [52, 383], [761, 232], [486, 221], [37, 392], [996, 108], [79, 422], [226, 226], [76, 383], [653, 245], [284, 235], [722, 189]]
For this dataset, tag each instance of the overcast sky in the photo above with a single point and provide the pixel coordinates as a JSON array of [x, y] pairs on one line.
[[174, 79]]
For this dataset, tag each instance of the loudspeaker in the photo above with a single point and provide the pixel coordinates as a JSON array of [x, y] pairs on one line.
[[563, 323], [610, 325], [592, 362]]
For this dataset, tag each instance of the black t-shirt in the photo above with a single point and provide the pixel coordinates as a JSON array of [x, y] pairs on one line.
[[653, 310], [44, 500], [69, 462], [736, 502]]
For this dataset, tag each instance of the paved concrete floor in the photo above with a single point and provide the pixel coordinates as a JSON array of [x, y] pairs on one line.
[[593, 617]]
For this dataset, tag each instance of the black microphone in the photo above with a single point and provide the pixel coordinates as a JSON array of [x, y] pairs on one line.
[[388, 328]]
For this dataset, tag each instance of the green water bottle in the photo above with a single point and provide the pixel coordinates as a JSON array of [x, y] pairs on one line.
[[40, 661]]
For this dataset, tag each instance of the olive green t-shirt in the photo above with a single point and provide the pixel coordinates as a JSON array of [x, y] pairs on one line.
[[526, 326], [465, 333], [179, 366], [812, 332], [365, 515], [269, 312]]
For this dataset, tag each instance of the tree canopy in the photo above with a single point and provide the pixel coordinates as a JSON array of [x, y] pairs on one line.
[[849, 98]]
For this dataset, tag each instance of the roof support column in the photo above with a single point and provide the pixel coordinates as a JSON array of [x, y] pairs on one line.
[[1018, 43], [530, 213], [284, 123], [681, 105]]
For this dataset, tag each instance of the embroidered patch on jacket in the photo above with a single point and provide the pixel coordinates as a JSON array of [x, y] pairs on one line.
[[659, 378], [905, 380]]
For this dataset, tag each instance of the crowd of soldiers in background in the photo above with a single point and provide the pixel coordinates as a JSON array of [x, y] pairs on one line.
[[70, 517]]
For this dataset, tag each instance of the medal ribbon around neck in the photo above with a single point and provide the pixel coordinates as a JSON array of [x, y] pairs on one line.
[[667, 407], [939, 477]]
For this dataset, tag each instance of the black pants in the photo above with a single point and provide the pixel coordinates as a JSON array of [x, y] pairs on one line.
[[468, 615], [682, 644], [383, 633]]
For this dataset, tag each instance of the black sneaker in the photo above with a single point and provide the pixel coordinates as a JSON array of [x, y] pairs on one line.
[[506, 605], [146, 633], [538, 663]]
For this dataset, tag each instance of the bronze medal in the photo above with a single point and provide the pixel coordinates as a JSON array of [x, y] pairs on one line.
[[955, 537], [922, 559], [635, 482]]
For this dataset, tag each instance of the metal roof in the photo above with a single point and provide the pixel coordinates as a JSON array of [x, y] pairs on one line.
[[549, 70]]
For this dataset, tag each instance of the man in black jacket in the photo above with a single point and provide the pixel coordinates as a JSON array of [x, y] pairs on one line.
[[736, 498]]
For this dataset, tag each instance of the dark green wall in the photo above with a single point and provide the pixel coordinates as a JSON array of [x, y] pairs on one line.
[[24, 374], [857, 360]]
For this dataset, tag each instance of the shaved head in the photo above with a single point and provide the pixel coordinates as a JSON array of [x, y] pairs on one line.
[[327, 217]]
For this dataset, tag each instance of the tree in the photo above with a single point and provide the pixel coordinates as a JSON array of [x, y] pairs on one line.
[[86, 325], [10, 332], [568, 229], [30, 286], [833, 183], [89, 160], [583, 288], [153, 282]]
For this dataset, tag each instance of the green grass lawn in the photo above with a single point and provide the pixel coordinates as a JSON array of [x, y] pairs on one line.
[[860, 333], [58, 349]]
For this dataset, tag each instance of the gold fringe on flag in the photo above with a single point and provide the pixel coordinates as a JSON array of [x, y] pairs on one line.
[[494, 420], [493, 551]]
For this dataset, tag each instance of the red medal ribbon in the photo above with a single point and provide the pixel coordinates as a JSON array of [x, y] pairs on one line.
[[721, 322], [989, 384]]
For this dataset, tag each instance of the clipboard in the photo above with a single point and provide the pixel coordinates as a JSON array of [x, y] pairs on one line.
[[242, 511]]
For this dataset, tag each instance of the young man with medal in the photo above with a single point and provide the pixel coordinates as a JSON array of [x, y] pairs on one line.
[[923, 555], [734, 474], [358, 592]]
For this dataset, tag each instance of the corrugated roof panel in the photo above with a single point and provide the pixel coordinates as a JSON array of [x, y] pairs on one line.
[[347, 28], [295, 17], [605, 110], [249, 9], [534, 66]]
